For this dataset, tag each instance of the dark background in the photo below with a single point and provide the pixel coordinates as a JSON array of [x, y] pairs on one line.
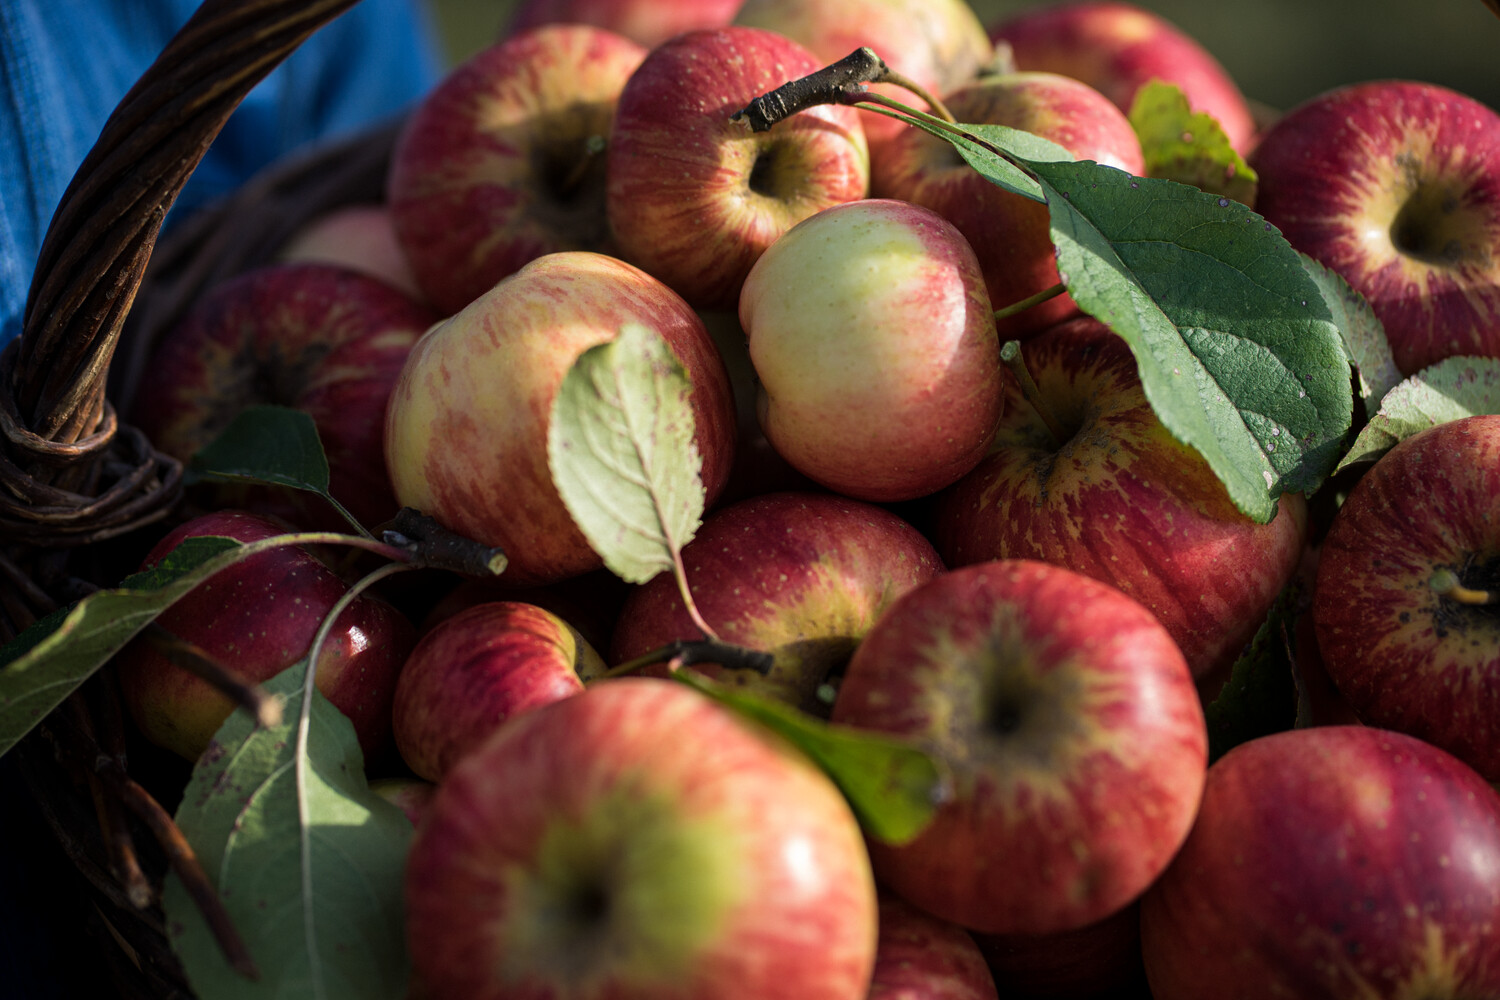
[[1279, 51]]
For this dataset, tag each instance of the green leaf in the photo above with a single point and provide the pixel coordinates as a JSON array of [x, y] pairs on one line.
[[47, 662], [620, 445], [275, 445], [267, 444], [1452, 389], [893, 787], [1260, 697], [311, 878], [977, 144], [1364, 334], [1238, 354], [1187, 146]]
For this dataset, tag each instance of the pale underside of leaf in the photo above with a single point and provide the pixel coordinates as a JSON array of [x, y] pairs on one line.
[[1452, 389], [623, 455]]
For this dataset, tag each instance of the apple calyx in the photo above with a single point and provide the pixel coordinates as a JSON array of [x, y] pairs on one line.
[[686, 652], [428, 544], [1447, 584], [1010, 354], [842, 82]]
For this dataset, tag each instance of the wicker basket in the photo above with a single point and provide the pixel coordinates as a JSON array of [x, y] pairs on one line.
[[84, 493]]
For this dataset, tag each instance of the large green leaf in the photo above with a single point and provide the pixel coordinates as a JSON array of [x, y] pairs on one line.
[[47, 662], [1364, 334], [1238, 353], [1452, 389], [893, 787], [621, 449], [307, 860]]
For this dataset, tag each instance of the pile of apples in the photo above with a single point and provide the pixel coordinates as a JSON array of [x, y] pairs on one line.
[[997, 553]]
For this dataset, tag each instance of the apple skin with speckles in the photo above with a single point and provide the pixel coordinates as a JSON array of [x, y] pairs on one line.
[[258, 617], [1071, 727], [801, 575], [1395, 186], [920, 957], [694, 197], [874, 343], [1121, 500], [466, 429], [1404, 652], [1330, 862], [639, 841]]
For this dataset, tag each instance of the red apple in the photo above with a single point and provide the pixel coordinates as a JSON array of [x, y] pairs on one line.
[[589, 603], [1406, 650], [920, 957], [476, 670], [1117, 48], [359, 237], [1337, 861], [466, 431], [874, 342], [939, 44], [1011, 235], [639, 842], [502, 162], [800, 575], [1395, 185], [1118, 498], [693, 197], [317, 337], [649, 22], [258, 617], [1072, 729]]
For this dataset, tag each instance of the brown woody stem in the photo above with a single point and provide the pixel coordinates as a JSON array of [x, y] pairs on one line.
[[842, 82], [265, 709], [686, 652]]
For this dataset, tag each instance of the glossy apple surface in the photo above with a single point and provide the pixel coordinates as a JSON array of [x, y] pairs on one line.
[[1336, 861], [1072, 729], [920, 957], [801, 575], [258, 617], [1117, 48], [478, 669], [495, 166], [1011, 235], [693, 197], [1404, 651], [874, 342], [639, 841], [1120, 500], [466, 430], [1395, 185]]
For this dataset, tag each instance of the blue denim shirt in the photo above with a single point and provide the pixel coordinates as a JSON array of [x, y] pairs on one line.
[[65, 64]]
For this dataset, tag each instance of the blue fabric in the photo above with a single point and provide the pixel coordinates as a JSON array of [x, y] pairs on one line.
[[65, 64]]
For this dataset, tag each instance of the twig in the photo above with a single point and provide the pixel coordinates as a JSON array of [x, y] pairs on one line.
[[266, 710]]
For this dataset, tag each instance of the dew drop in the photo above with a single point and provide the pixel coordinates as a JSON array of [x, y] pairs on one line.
[[1223, 202]]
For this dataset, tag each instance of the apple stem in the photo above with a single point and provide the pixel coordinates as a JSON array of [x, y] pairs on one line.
[[842, 82], [1031, 300], [1010, 354], [1447, 584], [422, 540], [265, 708], [686, 652]]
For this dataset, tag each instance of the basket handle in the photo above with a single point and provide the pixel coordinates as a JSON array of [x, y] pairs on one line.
[[56, 421]]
